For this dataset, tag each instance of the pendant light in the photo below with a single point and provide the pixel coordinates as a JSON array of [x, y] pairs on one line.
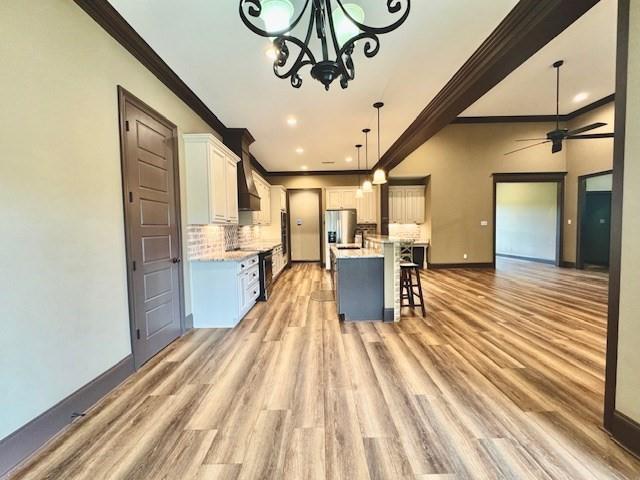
[[359, 192], [367, 187], [379, 177]]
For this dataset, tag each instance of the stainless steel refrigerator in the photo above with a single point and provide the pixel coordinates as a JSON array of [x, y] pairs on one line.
[[339, 227]]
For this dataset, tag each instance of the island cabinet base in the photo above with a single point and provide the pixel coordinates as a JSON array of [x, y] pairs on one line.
[[359, 286]]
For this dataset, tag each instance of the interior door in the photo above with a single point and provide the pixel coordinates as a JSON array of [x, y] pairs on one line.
[[152, 231], [596, 228], [304, 217]]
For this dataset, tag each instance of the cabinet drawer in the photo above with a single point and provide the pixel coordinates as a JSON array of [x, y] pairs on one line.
[[248, 263], [251, 293], [253, 275]]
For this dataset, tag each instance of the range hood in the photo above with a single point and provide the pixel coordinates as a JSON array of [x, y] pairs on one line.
[[238, 140]]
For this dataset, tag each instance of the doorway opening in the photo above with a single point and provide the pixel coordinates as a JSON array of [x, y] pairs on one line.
[[305, 224], [151, 199], [528, 216], [594, 220]]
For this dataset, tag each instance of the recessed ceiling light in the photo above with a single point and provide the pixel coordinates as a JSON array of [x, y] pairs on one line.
[[580, 97], [292, 121], [299, 150], [348, 159], [304, 167]]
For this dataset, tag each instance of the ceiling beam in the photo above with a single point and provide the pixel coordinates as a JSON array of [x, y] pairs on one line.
[[525, 30]]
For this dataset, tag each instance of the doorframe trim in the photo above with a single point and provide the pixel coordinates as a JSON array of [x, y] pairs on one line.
[[123, 97], [321, 234], [534, 177], [582, 195]]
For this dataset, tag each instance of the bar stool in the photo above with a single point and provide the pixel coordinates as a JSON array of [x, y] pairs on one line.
[[410, 283]]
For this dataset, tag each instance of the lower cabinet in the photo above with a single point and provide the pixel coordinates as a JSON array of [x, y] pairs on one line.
[[223, 292], [279, 261]]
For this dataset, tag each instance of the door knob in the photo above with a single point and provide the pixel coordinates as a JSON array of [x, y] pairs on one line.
[[176, 260]]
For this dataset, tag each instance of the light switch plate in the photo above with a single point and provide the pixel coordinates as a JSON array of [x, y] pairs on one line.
[[483, 223], [569, 221]]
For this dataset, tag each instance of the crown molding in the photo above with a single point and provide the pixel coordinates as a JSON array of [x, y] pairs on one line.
[[536, 118]]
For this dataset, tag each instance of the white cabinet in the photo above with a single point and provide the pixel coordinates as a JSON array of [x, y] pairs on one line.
[[406, 204], [340, 197], [212, 182], [279, 261], [223, 292], [367, 207], [262, 216]]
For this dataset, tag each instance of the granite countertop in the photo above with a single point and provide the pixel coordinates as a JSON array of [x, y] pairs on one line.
[[262, 245], [388, 239], [232, 256], [356, 253]]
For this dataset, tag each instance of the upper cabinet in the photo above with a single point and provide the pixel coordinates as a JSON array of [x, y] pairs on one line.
[[212, 181], [338, 198], [279, 197], [406, 204], [262, 216]]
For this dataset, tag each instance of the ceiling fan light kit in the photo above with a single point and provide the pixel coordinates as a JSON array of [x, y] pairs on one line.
[[337, 31], [557, 136]]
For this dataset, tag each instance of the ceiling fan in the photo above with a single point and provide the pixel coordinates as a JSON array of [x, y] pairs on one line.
[[559, 135]]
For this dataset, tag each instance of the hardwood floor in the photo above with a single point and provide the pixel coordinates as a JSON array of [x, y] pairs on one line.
[[503, 379]]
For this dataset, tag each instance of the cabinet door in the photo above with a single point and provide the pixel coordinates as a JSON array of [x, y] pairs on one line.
[[349, 198], [362, 208], [283, 200], [415, 205], [265, 206], [334, 199], [232, 190], [397, 206], [372, 206], [217, 185]]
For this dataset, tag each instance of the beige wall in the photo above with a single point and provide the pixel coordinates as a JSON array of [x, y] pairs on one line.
[[585, 157], [461, 159], [63, 287], [628, 386]]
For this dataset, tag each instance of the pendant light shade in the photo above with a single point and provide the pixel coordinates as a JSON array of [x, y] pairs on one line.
[[367, 186], [379, 177], [359, 193]]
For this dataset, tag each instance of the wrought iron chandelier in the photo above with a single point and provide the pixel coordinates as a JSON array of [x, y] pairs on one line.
[[338, 30]]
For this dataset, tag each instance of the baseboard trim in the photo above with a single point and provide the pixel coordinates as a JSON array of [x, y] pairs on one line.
[[22, 443], [566, 264], [440, 266], [388, 315], [528, 259], [626, 432], [188, 322]]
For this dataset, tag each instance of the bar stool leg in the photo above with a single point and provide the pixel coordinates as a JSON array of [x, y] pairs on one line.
[[417, 271]]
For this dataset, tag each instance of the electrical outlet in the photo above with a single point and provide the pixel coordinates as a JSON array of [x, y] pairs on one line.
[[484, 223], [569, 221], [465, 256]]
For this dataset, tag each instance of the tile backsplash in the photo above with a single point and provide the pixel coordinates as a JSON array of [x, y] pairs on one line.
[[410, 231], [205, 240]]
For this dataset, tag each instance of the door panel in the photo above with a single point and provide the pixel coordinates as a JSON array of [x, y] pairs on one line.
[[596, 228], [217, 167], [152, 231], [304, 225]]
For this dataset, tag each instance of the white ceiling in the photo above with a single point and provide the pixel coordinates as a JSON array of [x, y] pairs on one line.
[[206, 44], [588, 48]]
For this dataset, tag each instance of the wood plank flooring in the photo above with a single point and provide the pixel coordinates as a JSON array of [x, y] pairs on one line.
[[503, 379]]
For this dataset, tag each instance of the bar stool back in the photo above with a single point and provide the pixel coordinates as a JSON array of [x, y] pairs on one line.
[[410, 283]]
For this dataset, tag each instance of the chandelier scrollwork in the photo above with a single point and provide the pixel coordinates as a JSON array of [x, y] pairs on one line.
[[336, 60]]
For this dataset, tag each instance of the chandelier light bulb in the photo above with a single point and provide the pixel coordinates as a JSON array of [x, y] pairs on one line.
[[276, 14]]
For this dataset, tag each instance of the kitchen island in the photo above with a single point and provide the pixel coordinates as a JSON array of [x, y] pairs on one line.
[[358, 281]]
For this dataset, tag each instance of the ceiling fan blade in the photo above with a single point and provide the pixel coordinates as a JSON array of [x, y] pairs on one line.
[[556, 147], [528, 146], [586, 128], [591, 136], [531, 139]]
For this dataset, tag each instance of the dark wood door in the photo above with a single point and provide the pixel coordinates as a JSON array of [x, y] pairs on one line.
[[152, 227], [596, 228]]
